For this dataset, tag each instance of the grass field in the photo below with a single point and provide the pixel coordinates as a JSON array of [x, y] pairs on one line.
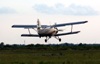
[[27, 56]]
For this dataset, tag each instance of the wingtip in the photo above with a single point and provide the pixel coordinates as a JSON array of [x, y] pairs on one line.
[[86, 21], [12, 26]]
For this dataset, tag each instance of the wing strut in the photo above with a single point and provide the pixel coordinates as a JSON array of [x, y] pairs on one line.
[[29, 31], [71, 28]]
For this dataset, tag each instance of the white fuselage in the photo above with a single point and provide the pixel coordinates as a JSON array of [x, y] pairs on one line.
[[47, 31]]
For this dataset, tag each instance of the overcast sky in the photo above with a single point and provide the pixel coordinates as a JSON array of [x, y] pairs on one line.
[[49, 12]]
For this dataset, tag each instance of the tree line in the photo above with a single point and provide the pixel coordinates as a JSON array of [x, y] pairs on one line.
[[63, 46]]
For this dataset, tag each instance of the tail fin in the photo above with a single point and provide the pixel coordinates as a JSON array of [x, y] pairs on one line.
[[38, 24]]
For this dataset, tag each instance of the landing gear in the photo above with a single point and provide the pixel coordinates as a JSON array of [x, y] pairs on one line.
[[45, 40], [59, 39]]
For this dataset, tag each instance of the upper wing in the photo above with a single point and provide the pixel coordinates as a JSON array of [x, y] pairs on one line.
[[24, 26], [28, 26], [43, 26], [69, 33], [72, 23]]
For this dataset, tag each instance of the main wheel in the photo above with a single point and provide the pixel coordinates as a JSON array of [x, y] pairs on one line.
[[45, 40], [59, 39]]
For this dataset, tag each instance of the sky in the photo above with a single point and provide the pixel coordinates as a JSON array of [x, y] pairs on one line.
[[49, 12]]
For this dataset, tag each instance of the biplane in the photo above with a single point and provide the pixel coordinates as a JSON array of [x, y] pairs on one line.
[[48, 31]]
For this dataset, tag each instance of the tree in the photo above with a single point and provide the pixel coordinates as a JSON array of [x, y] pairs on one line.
[[1, 44]]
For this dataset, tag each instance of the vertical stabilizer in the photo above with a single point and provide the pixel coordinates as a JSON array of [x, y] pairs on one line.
[[38, 24]]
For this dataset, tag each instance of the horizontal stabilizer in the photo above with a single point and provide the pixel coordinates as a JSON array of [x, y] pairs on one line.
[[30, 35], [69, 33]]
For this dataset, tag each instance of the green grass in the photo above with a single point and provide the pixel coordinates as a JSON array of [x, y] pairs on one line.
[[28, 56]]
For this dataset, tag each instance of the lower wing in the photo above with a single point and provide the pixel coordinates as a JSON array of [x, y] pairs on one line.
[[69, 33], [36, 35], [30, 35]]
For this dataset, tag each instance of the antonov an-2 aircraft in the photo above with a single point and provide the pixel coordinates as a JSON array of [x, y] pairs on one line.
[[48, 31]]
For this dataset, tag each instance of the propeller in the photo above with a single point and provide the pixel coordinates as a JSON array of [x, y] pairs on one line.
[[57, 28]]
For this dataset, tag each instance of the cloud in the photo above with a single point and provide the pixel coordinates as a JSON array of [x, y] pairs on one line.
[[70, 10], [6, 10]]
